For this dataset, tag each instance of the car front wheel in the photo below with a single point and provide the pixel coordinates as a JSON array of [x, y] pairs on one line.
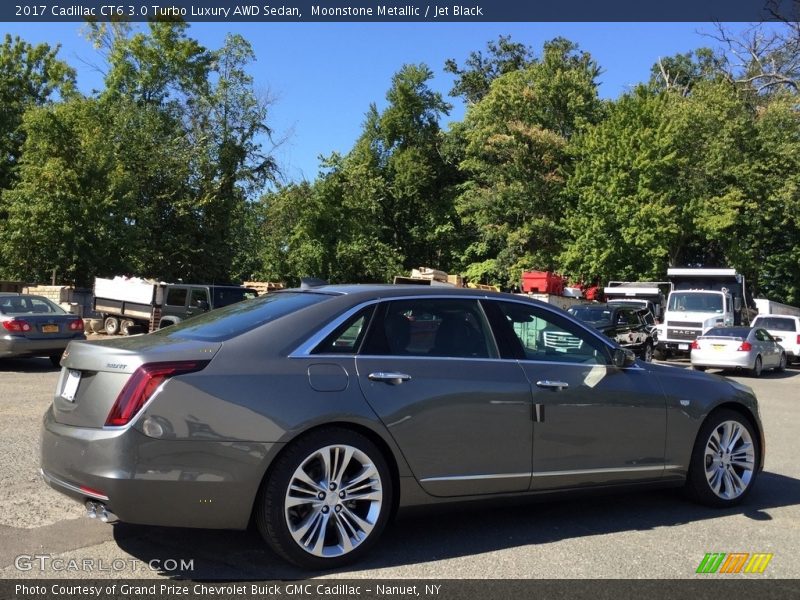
[[327, 499], [725, 460]]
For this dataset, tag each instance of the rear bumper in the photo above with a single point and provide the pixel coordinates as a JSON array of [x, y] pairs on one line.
[[712, 360], [148, 481], [14, 345]]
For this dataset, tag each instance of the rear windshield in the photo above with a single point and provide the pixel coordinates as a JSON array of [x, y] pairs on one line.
[[235, 319], [591, 314], [739, 332], [28, 305], [775, 323]]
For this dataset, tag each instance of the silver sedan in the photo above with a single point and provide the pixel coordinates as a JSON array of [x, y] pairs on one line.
[[738, 348]]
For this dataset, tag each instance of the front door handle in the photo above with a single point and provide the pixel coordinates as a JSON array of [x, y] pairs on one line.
[[552, 385], [389, 377]]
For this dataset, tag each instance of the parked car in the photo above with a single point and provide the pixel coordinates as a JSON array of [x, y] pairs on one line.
[[35, 326], [625, 324], [318, 412], [786, 331], [752, 349]]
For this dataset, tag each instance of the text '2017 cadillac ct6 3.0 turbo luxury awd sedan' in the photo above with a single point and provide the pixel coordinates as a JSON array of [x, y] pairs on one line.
[[318, 412]]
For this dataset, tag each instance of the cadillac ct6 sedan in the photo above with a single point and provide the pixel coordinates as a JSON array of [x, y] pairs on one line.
[[316, 413]]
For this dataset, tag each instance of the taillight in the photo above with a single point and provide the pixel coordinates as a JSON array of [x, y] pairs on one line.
[[798, 338], [143, 383], [75, 325], [17, 325], [695, 345], [745, 347]]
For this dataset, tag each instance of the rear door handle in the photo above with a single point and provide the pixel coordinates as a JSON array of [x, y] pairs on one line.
[[552, 385], [389, 377]]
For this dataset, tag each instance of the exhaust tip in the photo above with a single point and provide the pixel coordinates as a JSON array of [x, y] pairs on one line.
[[97, 510]]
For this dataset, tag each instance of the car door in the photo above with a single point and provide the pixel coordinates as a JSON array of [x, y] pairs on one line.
[[198, 302], [462, 418], [594, 423], [175, 301], [768, 348]]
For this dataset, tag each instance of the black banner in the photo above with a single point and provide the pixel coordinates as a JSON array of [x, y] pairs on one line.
[[711, 588], [430, 11]]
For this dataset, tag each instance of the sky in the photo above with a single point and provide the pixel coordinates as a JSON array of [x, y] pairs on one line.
[[322, 77]]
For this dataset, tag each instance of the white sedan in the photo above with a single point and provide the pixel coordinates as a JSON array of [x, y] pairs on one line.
[[738, 348]]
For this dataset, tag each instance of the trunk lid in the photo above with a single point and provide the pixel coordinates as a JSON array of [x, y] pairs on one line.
[[721, 344], [94, 373]]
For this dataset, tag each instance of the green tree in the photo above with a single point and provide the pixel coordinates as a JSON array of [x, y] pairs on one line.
[[503, 56], [516, 160]]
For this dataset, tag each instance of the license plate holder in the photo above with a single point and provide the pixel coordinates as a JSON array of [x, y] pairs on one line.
[[683, 346], [49, 328], [71, 385]]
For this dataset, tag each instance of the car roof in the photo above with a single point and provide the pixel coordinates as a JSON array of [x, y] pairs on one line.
[[391, 290]]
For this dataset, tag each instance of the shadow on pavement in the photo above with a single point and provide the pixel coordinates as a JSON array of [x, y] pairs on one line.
[[451, 531]]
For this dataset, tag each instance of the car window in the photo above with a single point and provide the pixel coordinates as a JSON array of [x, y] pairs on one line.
[[435, 327], [763, 336], [197, 296], [740, 332], [176, 296], [775, 323], [347, 338], [546, 336]]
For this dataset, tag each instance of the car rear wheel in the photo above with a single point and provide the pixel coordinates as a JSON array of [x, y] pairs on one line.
[[326, 500], [782, 364], [55, 358], [725, 460], [757, 368], [111, 325]]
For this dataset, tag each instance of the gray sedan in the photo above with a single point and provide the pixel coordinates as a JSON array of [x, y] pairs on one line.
[[318, 412], [34, 326], [751, 349]]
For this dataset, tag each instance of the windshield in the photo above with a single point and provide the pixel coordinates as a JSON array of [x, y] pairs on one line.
[[695, 302]]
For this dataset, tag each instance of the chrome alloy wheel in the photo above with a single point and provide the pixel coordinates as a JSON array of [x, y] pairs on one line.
[[333, 501], [729, 460]]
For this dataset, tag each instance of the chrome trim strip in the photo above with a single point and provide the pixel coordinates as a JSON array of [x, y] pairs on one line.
[[304, 350], [477, 477], [601, 471], [50, 480], [550, 473]]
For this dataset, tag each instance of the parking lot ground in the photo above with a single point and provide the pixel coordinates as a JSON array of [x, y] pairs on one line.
[[656, 534]]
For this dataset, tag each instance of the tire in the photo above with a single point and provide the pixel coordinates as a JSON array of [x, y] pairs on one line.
[[757, 367], [647, 352], [660, 354], [698, 368], [782, 364], [297, 492], [126, 326], [718, 475], [55, 358], [111, 325]]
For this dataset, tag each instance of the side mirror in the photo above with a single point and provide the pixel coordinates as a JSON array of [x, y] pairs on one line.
[[202, 305], [623, 358]]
